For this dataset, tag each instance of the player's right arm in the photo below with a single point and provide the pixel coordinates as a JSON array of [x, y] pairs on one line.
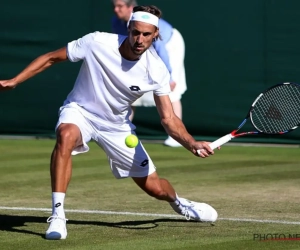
[[176, 129], [36, 66]]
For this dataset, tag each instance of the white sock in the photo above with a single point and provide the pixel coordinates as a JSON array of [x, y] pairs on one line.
[[177, 197], [183, 201], [180, 202], [176, 205], [58, 204]]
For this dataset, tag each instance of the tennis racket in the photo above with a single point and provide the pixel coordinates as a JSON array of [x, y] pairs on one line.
[[275, 111]]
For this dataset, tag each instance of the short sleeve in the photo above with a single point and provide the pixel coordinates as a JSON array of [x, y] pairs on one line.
[[165, 88], [77, 49]]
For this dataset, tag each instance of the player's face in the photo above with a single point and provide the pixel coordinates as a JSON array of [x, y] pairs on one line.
[[121, 10], [141, 36]]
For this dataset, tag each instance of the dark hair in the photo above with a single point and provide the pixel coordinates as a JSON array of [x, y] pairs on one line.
[[150, 9]]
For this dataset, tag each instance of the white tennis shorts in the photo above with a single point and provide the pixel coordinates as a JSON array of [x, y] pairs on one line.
[[176, 52], [124, 162]]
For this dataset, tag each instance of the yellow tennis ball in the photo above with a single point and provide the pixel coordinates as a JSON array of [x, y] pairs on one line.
[[131, 141]]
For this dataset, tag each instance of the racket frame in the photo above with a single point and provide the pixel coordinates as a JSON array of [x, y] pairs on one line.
[[226, 138]]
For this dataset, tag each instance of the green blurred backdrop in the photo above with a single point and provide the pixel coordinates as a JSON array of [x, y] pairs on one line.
[[234, 50]]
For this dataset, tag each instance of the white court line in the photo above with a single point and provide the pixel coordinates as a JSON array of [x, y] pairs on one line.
[[145, 214]]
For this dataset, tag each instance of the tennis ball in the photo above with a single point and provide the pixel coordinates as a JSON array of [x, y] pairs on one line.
[[131, 141]]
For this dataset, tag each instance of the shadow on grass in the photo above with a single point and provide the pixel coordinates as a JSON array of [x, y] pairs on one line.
[[19, 224]]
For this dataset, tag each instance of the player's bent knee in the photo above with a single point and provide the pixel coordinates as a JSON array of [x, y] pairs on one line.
[[68, 136]]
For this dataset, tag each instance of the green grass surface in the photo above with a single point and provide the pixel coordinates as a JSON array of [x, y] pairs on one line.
[[258, 183]]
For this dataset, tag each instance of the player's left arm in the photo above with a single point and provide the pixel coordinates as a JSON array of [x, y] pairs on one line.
[[36, 66], [176, 129]]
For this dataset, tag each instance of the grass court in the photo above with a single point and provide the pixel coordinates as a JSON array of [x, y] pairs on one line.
[[254, 189]]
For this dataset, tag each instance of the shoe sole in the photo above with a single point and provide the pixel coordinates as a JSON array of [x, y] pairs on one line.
[[55, 236]]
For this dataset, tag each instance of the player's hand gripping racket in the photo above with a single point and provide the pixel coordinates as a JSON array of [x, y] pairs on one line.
[[275, 111]]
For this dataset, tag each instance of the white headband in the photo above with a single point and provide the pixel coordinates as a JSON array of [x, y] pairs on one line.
[[145, 17]]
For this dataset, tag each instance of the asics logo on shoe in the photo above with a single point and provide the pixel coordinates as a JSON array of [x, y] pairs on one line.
[[144, 163], [58, 204]]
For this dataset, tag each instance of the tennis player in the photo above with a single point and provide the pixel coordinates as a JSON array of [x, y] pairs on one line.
[[116, 70], [170, 47]]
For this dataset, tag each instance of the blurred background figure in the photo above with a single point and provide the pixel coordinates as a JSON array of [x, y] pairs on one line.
[[171, 49]]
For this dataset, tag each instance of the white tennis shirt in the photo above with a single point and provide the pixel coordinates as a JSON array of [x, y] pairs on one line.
[[107, 84]]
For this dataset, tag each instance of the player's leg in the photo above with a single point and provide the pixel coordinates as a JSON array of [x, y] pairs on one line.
[[156, 187], [133, 108], [72, 133], [177, 107], [161, 189], [136, 163], [68, 137]]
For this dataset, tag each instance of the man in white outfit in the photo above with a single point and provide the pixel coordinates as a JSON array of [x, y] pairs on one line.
[[116, 71], [170, 48]]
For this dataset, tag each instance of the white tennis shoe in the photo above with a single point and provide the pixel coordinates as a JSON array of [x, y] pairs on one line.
[[195, 210], [57, 229]]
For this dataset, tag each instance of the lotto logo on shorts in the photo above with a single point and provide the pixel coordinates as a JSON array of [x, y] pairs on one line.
[[135, 88], [144, 163]]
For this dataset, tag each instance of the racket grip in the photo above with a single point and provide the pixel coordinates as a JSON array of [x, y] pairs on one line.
[[219, 142]]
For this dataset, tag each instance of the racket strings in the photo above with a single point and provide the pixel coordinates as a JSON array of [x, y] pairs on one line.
[[277, 110]]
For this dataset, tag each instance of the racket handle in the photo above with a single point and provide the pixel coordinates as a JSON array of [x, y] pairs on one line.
[[219, 142]]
